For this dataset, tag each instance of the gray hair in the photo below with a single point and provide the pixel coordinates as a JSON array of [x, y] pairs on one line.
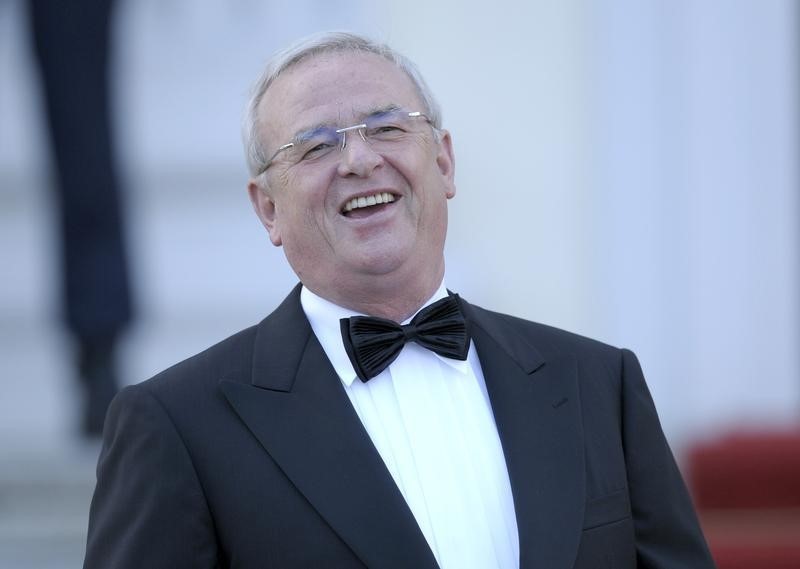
[[325, 42]]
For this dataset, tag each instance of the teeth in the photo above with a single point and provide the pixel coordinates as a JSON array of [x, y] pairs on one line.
[[365, 201]]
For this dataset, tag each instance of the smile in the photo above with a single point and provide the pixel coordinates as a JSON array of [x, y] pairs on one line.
[[368, 201]]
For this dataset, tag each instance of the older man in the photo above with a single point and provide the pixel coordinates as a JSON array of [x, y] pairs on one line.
[[376, 419]]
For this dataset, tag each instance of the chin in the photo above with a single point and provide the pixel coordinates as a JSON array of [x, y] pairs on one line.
[[379, 266], [381, 261]]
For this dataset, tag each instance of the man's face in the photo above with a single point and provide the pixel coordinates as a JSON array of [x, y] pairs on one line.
[[303, 204]]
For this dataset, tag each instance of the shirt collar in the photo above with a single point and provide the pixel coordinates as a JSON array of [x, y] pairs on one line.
[[324, 316]]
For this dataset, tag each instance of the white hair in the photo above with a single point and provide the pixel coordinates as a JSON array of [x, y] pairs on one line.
[[325, 42]]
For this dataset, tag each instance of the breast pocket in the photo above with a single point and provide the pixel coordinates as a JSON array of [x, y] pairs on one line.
[[607, 509], [607, 540]]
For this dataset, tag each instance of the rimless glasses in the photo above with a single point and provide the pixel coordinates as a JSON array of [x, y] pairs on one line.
[[383, 130]]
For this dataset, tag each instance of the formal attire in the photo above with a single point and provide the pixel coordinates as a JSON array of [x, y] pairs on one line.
[[253, 454], [430, 420]]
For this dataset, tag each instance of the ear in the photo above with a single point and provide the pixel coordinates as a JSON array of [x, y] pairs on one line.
[[265, 209], [446, 161]]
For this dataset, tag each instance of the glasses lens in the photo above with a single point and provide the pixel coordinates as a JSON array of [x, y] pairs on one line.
[[389, 126], [314, 144]]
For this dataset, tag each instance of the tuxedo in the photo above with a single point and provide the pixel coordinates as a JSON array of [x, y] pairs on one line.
[[250, 454]]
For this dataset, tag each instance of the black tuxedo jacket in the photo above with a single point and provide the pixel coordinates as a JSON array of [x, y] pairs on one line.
[[250, 455]]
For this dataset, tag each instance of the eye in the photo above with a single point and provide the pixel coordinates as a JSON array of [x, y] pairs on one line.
[[386, 130], [315, 144], [316, 150]]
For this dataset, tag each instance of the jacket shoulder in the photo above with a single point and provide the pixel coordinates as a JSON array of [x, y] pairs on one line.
[[550, 341], [230, 358]]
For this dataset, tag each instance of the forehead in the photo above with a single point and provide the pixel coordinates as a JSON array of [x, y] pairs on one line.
[[333, 88]]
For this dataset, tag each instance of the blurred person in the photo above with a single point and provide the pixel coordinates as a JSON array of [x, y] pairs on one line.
[[376, 419], [71, 45]]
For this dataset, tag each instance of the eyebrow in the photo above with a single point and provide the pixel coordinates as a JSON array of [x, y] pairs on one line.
[[308, 132]]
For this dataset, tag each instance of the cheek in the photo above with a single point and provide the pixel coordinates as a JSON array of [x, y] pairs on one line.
[[300, 196], [307, 188], [301, 217]]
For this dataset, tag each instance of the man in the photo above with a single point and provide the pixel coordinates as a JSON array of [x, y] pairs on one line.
[[319, 438]]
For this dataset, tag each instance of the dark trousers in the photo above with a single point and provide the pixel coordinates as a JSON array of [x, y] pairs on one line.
[[71, 41]]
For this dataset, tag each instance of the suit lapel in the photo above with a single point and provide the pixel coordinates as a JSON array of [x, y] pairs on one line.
[[297, 409], [536, 405], [302, 417]]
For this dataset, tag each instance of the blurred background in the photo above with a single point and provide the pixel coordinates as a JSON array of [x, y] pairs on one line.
[[626, 169]]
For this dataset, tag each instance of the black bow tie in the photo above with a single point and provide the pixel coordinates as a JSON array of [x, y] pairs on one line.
[[373, 343]]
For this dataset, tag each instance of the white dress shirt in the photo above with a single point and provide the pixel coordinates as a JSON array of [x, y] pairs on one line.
[[430, 419]]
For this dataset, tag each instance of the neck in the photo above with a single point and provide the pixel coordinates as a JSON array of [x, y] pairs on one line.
[[384, 296]]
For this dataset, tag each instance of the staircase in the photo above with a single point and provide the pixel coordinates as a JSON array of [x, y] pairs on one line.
[[203, 269], [44, 505]]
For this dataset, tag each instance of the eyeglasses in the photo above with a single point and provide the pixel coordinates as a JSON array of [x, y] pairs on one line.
[[384, 131]]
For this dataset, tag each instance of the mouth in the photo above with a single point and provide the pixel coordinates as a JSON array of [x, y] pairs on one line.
[[368, 204]]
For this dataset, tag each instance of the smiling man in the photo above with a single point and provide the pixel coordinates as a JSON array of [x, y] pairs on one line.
[[356, 132], [375, 419]]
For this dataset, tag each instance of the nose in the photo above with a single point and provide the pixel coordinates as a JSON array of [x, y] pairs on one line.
[[357, 157]]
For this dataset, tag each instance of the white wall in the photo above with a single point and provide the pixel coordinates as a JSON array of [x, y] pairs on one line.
[[626, 169]]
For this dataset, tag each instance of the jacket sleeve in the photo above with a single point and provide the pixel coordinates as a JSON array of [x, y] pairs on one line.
[[148, 508], [668, 535]]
